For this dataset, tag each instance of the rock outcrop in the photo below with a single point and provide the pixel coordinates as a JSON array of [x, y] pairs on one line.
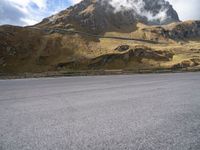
[[187, 64], [133, 54], [122, 48], [175, 31]]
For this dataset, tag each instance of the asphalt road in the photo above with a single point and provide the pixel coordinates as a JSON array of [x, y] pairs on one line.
[[136, 112]]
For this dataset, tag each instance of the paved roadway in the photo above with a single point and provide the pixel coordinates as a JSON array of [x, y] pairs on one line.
[[136, 112]]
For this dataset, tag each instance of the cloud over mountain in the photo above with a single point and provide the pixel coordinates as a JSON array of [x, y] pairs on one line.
[[143, 8], [187, 10]]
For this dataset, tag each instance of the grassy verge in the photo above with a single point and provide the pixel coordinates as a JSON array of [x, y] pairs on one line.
[[95, 73]]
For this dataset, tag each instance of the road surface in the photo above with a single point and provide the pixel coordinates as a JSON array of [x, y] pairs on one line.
[[136, 112]]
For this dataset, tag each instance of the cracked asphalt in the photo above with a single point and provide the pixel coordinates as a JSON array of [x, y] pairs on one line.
[[136, 112]]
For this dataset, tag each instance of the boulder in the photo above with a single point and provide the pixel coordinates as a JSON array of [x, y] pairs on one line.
[[2, 61], [184, 64], [122, 48]]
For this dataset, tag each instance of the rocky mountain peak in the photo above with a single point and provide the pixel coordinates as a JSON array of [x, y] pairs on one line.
[[99, 16]]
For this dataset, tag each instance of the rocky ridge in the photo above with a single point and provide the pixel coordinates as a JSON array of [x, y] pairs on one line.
[[99, 16]]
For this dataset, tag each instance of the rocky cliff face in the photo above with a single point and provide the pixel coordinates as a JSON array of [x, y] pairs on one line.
[[175, 31], [99, 16]]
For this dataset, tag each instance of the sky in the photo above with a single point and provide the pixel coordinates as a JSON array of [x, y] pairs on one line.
[[187, 9], [29, 12]]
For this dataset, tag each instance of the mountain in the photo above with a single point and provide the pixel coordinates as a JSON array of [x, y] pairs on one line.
[[99, 16], [96, 35]]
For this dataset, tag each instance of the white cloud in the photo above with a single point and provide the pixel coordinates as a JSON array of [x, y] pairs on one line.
[[40, 3], [10, 14], [28, 12], [75, 1]]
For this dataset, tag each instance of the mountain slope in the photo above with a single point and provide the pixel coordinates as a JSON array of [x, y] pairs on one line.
[[89, 37], [99, 16]]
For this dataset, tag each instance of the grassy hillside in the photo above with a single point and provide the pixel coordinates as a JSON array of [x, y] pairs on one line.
[[33, 50]]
